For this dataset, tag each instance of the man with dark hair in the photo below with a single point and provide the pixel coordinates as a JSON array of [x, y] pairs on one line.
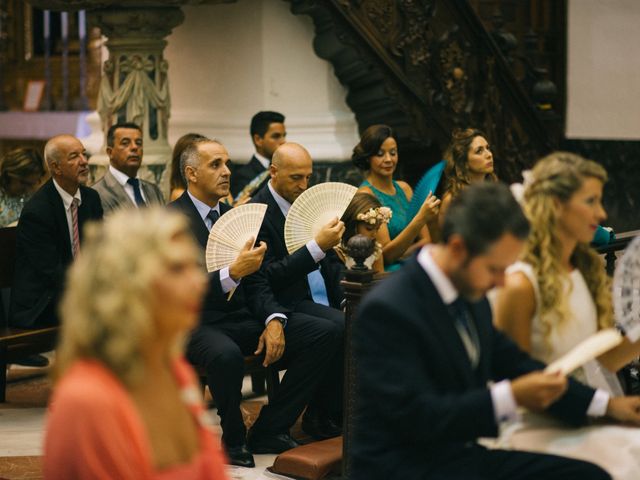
[[50, 232], [267, 134], [427, 354], [120, 185], [228, 331]]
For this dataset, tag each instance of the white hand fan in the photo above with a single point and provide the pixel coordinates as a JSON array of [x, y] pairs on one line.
[[592, 347], [229, 234], [313, 209], [626, 291]]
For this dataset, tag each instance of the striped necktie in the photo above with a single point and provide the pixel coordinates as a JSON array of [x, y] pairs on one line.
[[75, 241]]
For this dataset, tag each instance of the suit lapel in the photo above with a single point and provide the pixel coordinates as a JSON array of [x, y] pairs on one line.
[[149, 192], [60, 215], [199, 228], [441, 322], [116, 189], [275, 215]]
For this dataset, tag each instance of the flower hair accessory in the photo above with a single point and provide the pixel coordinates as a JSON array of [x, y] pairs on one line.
[[375, 215]]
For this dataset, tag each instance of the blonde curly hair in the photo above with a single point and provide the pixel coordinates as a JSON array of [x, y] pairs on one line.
[[557, 177], [107, 308]]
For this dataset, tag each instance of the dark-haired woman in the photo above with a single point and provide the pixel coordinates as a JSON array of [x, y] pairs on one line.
[[469, 160], [377, 155]]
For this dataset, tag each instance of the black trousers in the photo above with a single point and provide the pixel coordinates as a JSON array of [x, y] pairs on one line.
[[478, 463], [311, 346]]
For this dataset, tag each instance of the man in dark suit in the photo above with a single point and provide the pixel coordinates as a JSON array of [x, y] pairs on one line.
[[267, 134], [228, 331], [426, 350], [50, 233], [306, 282], [120, 185]]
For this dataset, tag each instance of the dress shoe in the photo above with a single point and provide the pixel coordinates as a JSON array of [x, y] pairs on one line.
[[240, 456], [270, 443], [320, 427], [33, 361]]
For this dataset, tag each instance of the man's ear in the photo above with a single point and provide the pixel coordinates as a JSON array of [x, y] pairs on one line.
[[457, 248], [54, 167], [272, 170], [190, 174], [109, 150], [257, 140]]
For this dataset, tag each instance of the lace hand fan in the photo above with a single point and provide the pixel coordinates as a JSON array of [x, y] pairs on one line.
[[313, 209], [626, 291], [592, 347], [229, 234]]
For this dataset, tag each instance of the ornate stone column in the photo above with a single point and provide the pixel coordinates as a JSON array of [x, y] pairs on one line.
[[135, 82]]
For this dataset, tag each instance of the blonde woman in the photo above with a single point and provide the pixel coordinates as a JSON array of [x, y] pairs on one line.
[[125, 403], [559, 294]]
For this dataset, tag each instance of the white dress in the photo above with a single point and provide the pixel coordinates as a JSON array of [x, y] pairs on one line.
[[614, 447]]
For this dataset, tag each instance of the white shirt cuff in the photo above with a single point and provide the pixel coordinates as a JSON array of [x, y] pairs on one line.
[[226, 282], [315, 251], [273, 316], [505, 408], [599, 403]]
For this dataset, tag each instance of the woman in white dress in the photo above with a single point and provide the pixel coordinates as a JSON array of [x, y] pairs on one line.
[[557, 296]]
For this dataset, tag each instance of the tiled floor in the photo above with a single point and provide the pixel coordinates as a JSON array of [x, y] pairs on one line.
[[22, 420]]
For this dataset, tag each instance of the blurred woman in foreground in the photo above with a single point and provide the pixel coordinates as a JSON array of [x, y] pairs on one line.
[[125, 403]]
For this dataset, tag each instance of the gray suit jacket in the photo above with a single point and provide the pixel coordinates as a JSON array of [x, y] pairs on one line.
[[113, 196]]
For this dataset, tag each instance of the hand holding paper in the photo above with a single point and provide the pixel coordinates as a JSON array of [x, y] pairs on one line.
[[592, 347]]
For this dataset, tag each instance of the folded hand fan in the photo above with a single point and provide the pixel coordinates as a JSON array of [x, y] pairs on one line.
[[626, 291], [592, 347], [427, 184], [229, 234], [313, 209]]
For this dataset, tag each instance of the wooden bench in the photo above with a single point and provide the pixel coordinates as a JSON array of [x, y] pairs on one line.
[[16, 343]]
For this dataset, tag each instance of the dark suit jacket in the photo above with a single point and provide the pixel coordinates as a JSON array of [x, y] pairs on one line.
[[418, 400], [216, 308], [243, 174], [281, 283], [43, 252], [113, 195]]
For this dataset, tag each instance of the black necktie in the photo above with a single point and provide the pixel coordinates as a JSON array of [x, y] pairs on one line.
[[213, 215], [137, 194], [466, 328]]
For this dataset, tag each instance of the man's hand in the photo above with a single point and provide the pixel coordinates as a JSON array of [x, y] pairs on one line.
[[248, 261], [330, 235], [537, 390], [273, 339], [624, 409]]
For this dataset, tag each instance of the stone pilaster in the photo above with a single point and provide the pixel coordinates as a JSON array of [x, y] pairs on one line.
[[135, 82]]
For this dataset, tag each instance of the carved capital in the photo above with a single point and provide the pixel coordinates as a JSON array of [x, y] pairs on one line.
[[137, 23]]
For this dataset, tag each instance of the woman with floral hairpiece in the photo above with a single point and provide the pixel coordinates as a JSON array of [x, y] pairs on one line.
[[366, 216], [377, 155], [558, 295]]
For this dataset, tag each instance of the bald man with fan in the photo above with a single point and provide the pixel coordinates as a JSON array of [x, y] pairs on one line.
[[228, 330], [306, 282]]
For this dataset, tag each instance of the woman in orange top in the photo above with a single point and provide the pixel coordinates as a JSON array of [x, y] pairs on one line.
[[126, 404]]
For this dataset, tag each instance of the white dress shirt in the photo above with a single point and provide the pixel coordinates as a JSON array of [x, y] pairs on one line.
[[122, 178], [67, 200]]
